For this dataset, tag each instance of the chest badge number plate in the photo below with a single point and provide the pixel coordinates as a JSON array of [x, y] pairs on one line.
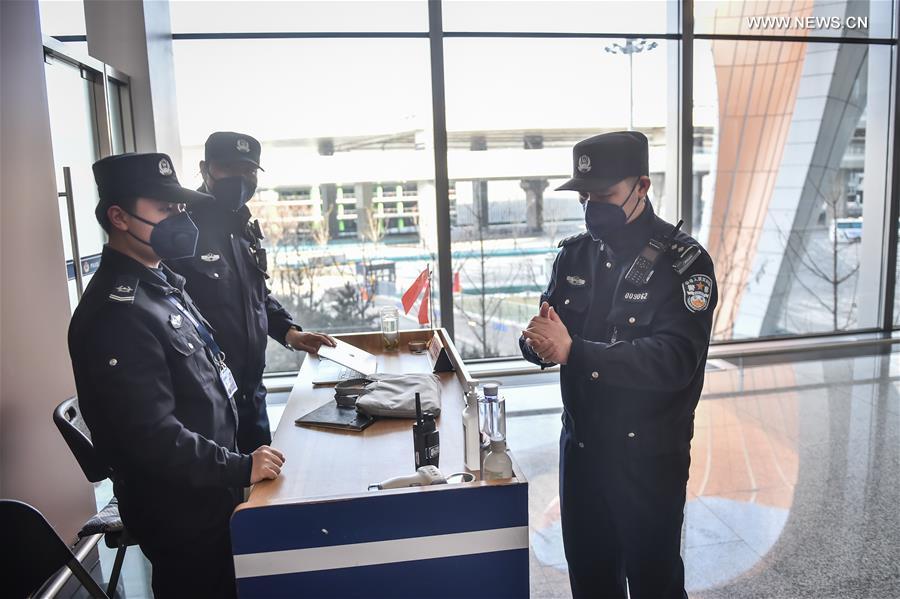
[[697, 291], [210, 257], [175, 320], [576, 281], [636, 296]]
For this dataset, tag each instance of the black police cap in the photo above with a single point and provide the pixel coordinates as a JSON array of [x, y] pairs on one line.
[[604, 160], [124, 176], [227, 146]]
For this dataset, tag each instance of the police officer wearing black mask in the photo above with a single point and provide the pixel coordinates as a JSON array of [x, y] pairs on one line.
[[227, 279], [627, 314], [153, 387]]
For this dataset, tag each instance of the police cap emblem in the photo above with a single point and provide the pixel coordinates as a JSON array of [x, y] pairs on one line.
[[165, 169], [242, 145], [584, 163], [697, 291]]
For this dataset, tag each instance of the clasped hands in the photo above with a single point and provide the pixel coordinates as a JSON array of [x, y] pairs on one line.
[[548, 337]]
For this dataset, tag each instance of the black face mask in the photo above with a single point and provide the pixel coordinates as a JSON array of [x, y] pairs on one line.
[[172, 238], [232, 192], [601, 219]]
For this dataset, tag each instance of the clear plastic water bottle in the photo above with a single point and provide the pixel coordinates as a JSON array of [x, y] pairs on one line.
[[471, 432], [492, 409], [497, 463], [493, 412]]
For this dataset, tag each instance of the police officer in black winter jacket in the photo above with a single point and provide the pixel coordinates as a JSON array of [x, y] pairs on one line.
[[627, 314], [227, 278], [154, 388]]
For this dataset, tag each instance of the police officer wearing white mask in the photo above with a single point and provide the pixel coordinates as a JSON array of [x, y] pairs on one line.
[[628, 315]]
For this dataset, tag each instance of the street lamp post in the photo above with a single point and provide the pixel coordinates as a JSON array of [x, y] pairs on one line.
[[631, 47]]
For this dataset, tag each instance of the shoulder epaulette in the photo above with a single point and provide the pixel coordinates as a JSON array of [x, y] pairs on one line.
[[124, 289], [573, 238]]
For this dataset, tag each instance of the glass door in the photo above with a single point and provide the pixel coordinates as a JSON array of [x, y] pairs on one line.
[[90, 117]]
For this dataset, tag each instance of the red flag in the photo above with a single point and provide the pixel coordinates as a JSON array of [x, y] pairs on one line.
[[412, 294], [457, 286], [423, 307]]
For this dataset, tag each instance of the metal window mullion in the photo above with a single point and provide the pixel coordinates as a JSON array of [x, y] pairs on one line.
[[686, 117], [893, 212], [441, 177], [103, 115]]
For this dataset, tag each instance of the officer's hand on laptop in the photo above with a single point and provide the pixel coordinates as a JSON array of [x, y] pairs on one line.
[[308, 342], [267, 463], [548, 336]]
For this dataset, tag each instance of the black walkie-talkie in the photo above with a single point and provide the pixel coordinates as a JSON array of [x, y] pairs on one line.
[[644, 265], [685, 254], [426, 439]]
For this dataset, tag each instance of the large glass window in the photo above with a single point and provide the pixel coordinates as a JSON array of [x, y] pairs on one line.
[[515, 108], [346, 200], [817, 18], [62, 17], [790, 140], [789, 149], [565, 16], [259, 16]]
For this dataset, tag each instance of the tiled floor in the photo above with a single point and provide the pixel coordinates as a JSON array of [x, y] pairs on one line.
[[794, 488]]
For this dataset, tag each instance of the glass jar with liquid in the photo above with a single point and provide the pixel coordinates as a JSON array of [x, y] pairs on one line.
[[390, 328]]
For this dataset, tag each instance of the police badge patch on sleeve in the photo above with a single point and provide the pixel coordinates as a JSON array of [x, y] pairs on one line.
[[697, 290]]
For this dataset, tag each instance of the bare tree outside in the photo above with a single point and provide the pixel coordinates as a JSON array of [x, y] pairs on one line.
[[842, 257], [483, 309]]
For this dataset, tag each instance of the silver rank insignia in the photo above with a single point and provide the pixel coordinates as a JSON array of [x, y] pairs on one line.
[[697, 291], [123, 292], [576, 281], [175, 320], [210, 257]]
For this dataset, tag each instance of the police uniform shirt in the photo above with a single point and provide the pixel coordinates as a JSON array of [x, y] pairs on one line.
[[636, 366], [152, 397]]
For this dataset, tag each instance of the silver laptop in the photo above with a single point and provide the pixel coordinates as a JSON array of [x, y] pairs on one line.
[[331, 373], [343, 362]]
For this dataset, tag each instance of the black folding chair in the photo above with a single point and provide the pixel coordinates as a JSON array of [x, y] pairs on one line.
[[67, 417], [36, 552]]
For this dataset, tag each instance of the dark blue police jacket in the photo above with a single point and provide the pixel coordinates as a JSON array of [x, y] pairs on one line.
[[636, 366], [227, 278], [152, 398]]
